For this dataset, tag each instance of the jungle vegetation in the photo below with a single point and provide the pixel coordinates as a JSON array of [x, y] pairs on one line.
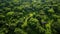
[[29, 16]]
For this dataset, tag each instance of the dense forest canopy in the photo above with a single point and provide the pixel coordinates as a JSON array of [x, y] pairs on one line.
[[29, 16]]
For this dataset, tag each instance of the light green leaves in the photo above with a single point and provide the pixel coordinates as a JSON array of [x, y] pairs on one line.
[[51, 10], [10, 13], [19, 31]]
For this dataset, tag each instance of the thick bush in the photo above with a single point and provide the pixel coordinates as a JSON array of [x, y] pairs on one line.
[[29, 16]]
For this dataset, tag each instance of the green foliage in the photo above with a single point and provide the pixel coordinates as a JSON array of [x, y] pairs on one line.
[[10, 13], [29, 16]]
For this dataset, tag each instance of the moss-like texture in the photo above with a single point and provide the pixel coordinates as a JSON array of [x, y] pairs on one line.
[[29, 16]]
